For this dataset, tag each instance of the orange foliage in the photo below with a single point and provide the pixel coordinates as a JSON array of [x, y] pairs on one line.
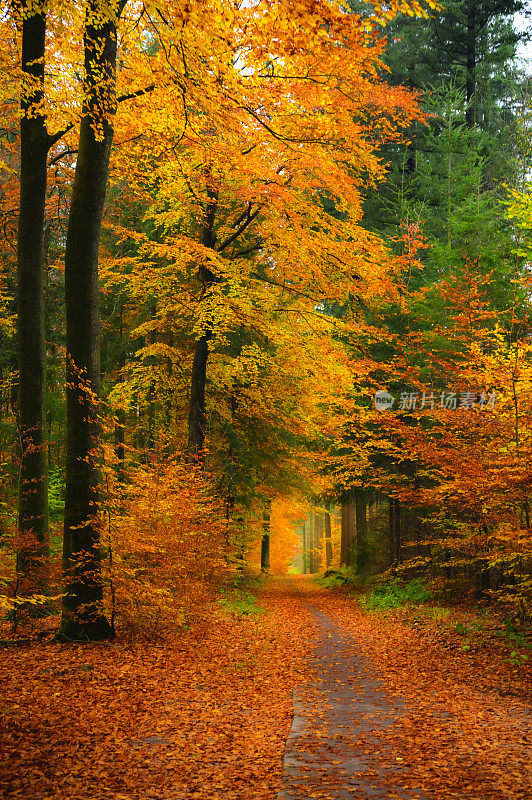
[[166, 537], [286, 516], [276, 109], [458, 441]]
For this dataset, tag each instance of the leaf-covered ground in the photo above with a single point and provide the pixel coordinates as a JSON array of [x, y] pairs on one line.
[[399, 708], [467, 729], [206, 714], [201, 716]]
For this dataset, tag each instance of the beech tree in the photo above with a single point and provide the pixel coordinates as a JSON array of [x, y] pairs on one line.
[[35, 142], [82, 604]]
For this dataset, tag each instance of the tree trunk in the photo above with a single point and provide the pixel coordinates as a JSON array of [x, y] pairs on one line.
[[471, 61], [265, 552], [390, 531], [241, 558], [120, 414], [33, 549], [328, 541], [411, 160], [348, 535], [83, 616], [1, 412], [361, 531], [343, 537], [320, 529], [151, 361], [313, 543], [265, 545], [395, 531], [169, 372], [197, 417], [310, 543], [304, 547]]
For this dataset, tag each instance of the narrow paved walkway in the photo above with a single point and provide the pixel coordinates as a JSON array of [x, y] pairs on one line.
[[332, 746]]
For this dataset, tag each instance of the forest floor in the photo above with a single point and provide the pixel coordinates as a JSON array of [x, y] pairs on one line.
[[374, 705]]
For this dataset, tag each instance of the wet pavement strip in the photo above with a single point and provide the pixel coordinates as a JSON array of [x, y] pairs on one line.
[[333, 749]]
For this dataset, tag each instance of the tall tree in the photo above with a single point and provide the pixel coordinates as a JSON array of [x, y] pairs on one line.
[[82, 616], [265, 542], [394, 531], [32, 557]]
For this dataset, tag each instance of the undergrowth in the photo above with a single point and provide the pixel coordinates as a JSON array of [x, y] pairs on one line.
[[482, 631], [237, 598], [334, 578], [395, 594]]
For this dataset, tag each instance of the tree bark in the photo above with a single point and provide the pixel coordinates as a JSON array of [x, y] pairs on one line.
[[265, 552], [265, 545], [120, 414], [83, 616], [197, 417], [395, 531], [411, 159], [33, 548], [361, 531], [151, 361], [313, 543], [310, 543], [348, 535], [343, 536], [328, 541], [320, 530]]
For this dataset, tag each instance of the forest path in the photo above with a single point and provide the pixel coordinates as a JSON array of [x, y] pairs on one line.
[[335, 719], [380, 706], [393, 711]]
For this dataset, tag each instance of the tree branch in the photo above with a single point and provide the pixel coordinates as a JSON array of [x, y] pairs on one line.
[[234, 236], [57, 158], [147, 89]]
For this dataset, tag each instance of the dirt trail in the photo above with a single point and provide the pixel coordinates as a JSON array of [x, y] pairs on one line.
[[389, 712]]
